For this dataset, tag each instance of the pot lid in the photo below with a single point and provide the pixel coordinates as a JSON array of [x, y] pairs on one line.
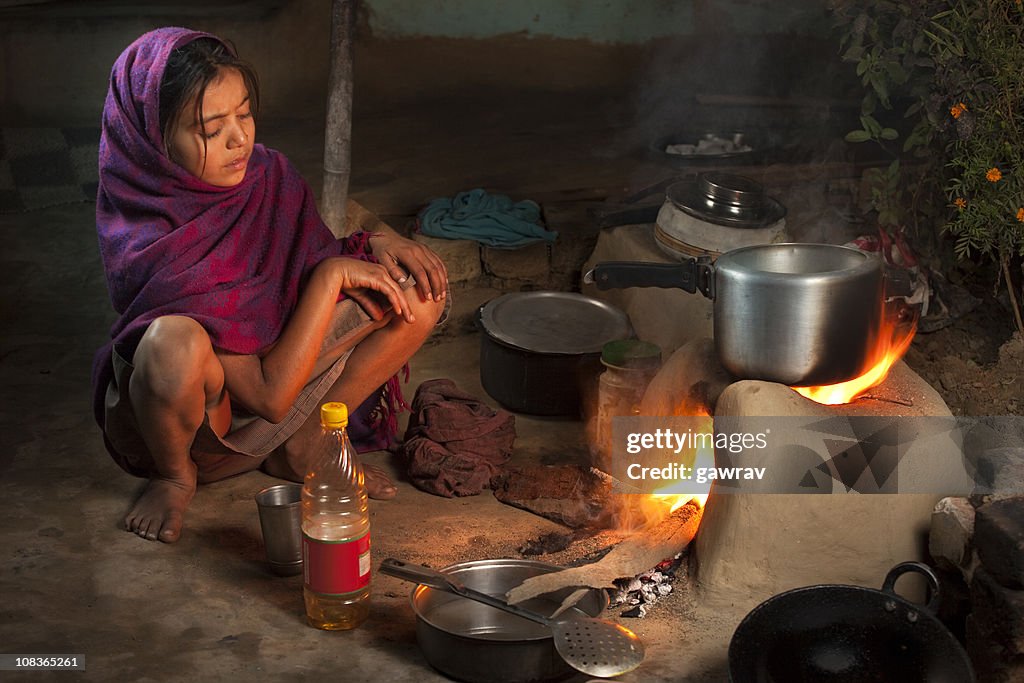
[[554, 322], [724, 199]]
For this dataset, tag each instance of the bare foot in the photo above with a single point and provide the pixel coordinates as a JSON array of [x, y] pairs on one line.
[[378, 485], [158, 513]]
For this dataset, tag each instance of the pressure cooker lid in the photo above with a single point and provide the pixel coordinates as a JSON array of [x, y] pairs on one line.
[[554, 322]]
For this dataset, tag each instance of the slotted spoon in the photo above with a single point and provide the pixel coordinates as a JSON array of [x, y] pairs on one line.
[[592, 646]]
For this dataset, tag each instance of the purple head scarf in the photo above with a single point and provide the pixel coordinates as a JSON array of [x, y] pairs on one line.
[[232, 258]]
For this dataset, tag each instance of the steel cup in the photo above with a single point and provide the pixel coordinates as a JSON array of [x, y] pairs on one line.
[[280, 510]]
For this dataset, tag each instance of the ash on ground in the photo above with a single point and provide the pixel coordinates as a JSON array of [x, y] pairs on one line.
[[640, 593]]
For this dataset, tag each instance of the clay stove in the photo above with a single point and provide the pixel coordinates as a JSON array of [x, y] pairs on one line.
[[754, 543]]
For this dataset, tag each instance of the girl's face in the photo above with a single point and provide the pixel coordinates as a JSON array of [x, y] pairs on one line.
[[218, 150]]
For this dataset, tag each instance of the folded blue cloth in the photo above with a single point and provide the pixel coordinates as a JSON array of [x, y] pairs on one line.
[[491, 219]]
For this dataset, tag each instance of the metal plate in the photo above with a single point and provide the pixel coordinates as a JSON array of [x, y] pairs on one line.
[[554, 322], [689, 197]]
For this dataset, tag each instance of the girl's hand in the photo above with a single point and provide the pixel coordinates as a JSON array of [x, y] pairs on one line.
[[357, 279], [403, 257]]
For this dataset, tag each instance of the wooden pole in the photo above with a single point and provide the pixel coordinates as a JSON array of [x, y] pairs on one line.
[[338, 133]]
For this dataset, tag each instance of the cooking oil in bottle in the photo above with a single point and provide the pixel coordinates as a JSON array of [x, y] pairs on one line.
[[335, 529]]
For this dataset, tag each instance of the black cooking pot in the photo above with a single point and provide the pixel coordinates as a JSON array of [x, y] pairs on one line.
[[848, 634], [538, 350]]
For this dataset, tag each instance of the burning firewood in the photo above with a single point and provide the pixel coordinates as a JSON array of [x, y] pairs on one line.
[[634, 555]]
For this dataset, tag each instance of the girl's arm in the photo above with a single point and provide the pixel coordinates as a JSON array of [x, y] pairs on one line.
[[268, 386]]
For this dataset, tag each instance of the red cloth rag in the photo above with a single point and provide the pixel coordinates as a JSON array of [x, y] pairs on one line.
[[455, 443]]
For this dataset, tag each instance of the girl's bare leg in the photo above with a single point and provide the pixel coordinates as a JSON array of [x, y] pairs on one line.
[[176, 381], [373, 362]]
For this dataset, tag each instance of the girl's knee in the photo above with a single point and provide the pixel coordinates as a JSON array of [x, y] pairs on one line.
[[173, 354], [427, 313]]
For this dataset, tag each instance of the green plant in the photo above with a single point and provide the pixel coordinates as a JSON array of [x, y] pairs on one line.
[[959, 64]]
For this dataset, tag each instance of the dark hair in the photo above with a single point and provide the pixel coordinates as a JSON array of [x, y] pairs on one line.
[[190, 70]]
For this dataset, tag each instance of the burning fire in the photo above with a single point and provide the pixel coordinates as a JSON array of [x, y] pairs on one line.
[[668, 495], [895, 340]]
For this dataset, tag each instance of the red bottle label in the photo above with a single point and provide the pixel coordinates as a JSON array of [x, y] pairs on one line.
[[336, 567]]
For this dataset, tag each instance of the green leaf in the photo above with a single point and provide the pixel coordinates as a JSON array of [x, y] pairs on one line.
[[868, 104], [871, 125], [881, 89], [858, 136], [896, 72], [889, 134]]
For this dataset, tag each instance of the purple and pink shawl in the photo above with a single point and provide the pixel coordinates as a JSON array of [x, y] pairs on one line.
[[232, 258]]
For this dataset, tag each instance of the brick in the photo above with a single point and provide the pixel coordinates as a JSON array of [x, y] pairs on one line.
[[1000, 609], [532, 262], [999, 539], [465, 304], [461, 257], [952, 527]]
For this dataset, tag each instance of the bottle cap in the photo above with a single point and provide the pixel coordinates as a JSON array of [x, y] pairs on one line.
[[631, 353], [334, 414]]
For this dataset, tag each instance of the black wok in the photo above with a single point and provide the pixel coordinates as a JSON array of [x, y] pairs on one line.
[[850, 634]]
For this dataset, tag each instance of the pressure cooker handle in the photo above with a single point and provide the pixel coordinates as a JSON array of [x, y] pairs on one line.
[[899, 570], [691, 275]]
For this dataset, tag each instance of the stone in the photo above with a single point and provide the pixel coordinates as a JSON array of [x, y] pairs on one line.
[[999, 540], [992, 662], [1001, 609], [461, 257], [949, 539], [999, 471], [531, 263]]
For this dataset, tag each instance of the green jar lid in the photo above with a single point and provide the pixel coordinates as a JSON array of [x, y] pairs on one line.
[[631, 353]]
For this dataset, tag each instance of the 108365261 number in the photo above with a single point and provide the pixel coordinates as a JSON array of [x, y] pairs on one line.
[[25, 662]]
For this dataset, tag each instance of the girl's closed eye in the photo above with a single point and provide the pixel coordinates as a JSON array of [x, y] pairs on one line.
[[211, 135]]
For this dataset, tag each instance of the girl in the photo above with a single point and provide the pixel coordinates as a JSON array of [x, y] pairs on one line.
[[240, 313]]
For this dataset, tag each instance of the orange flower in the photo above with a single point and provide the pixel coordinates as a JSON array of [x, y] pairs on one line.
[[957, 109], [960, 203], [994, 175], [1020, 215]]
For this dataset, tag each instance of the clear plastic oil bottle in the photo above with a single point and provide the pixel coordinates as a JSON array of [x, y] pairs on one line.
[[335, 529]]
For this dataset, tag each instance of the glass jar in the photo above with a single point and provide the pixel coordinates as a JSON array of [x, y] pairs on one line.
[[629, 366]]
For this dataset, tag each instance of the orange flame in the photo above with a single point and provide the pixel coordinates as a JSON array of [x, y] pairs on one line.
[[642, 511], [894, 340]]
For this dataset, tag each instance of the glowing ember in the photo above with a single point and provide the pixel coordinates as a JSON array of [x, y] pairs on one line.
[[895, 340]]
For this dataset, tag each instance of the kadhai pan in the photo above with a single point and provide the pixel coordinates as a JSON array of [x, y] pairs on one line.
[[848, 634], [797, 314]]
